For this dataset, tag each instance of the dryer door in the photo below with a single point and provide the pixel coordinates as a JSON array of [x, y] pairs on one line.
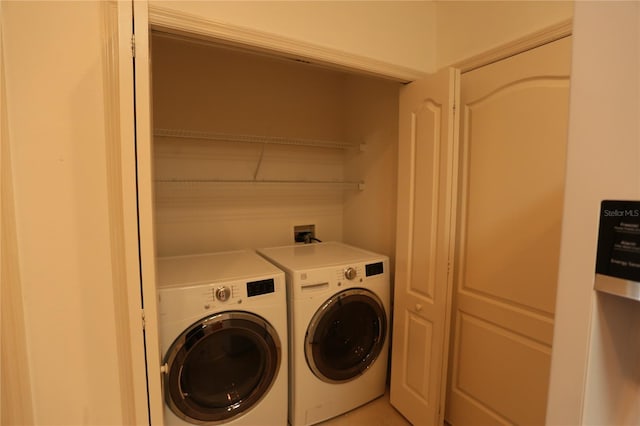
[[221, 366], [346, 335]]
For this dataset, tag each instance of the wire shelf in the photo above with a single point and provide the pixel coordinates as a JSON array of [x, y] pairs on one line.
[[226, 137], [343, 184]]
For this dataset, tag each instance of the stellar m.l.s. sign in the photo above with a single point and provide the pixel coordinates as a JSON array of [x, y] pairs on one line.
[[618, 256]]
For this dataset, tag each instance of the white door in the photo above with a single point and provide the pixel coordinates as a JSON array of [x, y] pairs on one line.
[[426, 163], [514, 116]]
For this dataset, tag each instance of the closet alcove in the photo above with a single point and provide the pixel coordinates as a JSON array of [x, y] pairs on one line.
[[248, 145]]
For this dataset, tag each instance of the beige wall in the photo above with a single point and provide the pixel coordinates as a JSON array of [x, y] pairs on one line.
[[369, 216], [397, 32], [603, 162], [204, 88], [55, 94], [16, 404], [468, 28], [419, 35]]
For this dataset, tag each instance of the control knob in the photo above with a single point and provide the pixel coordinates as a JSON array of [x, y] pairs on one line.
[[223, 293], [350, 273]]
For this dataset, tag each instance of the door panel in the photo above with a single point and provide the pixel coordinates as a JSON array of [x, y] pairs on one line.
[[425, 147], [426, 155], [491, 358], [419, 334], [504, 160], [514, 116]]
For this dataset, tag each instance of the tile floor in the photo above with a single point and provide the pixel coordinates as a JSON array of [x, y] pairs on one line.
[[378, 412]]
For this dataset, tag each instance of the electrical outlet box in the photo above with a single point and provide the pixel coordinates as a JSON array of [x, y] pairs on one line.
[[304, 233]]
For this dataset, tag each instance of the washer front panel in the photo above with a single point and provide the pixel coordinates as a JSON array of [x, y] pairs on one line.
[[346, 335], [221, 366]]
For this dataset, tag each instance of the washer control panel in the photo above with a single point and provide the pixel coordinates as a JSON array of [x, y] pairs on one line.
[[225, 293]]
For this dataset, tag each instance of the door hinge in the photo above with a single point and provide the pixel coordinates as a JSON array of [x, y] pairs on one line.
[[144, 321], [133, 45]]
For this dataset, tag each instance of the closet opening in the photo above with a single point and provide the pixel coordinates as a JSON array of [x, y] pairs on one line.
[[247, 145]]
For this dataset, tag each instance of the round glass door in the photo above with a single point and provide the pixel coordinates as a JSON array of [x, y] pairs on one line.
[[221, 366], [346, 335]]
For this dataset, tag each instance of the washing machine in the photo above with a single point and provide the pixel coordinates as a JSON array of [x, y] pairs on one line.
[[338, 327], [223, 333]]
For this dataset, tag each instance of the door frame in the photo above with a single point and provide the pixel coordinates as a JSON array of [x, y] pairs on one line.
[[181, 23], [148, 16], [152, 16]]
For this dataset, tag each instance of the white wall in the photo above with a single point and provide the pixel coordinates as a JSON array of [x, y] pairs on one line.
[[201, 88], [603, 162], [204, 88], [55, 96], [396, 32], [468, 28]]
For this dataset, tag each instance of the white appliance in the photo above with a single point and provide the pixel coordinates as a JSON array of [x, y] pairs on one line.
[[223, 332], [338, 327]]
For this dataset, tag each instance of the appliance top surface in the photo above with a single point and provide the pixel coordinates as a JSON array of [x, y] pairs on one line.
[[309, 256], [212, 267]]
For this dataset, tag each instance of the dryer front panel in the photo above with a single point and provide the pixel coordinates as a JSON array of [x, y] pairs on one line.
[[221, 366], [346, 335]]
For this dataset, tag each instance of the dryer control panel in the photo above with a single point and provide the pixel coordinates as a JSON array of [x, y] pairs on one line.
[[352, 272]]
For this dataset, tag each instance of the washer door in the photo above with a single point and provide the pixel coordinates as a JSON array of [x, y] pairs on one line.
[[221, 366], [346, 335]]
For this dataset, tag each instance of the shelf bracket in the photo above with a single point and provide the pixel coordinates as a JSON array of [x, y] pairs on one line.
[[255, 174]]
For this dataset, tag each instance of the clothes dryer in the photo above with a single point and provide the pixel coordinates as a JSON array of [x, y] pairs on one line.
[[223, 332], [339, 300]]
